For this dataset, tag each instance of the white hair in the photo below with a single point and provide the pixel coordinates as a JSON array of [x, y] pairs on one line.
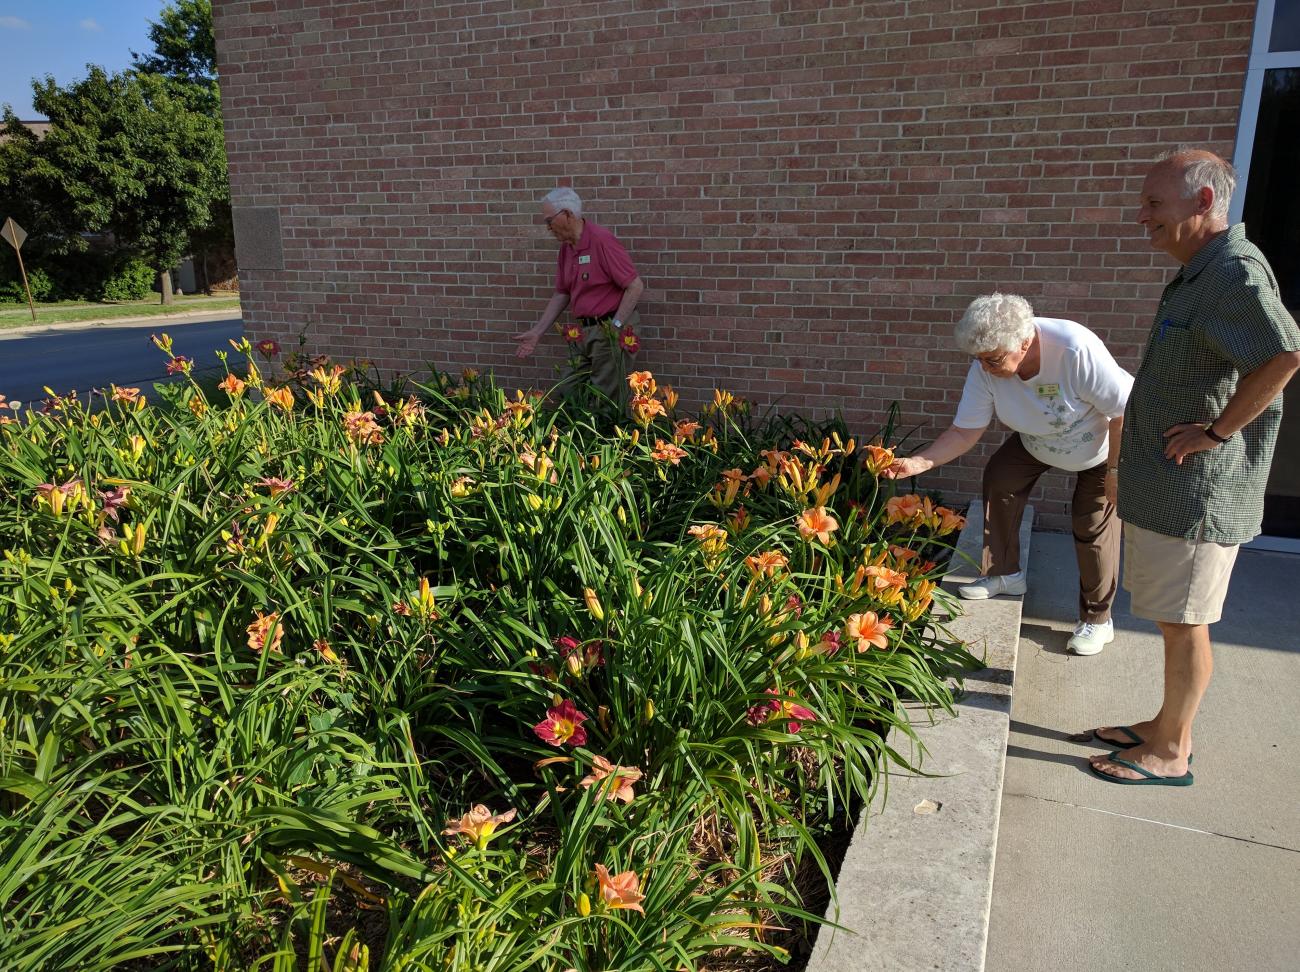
[[1204, 170], [564, 198], [998, 322]]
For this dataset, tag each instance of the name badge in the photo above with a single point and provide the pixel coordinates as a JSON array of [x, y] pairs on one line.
[[585, 258], [1049, 391]]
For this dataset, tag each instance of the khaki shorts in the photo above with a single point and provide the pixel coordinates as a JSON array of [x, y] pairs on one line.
[[1174, 580]]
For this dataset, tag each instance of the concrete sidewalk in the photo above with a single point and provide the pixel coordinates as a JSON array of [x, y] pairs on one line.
[[1095, 877]]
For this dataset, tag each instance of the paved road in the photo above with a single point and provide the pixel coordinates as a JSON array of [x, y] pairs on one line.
[[74, 357]]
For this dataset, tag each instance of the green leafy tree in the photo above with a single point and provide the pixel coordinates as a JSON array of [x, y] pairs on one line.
[[183, 43], [134, 155]]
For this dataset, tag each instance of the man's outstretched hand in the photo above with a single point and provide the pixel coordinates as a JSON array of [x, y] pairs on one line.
[[527, 344]]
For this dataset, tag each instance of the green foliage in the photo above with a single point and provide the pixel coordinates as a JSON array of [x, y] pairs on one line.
[[132, 280], [183, 43], [263, 650], [12, 290]]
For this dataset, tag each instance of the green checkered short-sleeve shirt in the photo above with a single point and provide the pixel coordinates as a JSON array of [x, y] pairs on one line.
[[1219, 318]]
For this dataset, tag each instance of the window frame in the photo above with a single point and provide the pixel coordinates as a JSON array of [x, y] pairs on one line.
[[1261, 60]]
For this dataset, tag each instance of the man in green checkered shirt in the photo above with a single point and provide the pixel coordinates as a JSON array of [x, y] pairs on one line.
[[1199, 432]]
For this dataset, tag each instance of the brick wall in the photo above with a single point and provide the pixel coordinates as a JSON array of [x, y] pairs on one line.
[[813, 190]]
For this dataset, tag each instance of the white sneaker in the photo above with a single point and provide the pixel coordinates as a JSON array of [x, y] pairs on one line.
[[1091, 637], [986, 587]]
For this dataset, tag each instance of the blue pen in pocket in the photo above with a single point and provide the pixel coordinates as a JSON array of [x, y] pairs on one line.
[[1163, 326]]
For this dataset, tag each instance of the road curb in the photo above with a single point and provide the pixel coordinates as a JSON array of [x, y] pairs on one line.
[[189, 317]]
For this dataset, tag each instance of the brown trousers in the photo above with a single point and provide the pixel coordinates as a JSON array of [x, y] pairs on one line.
[[601, 363], [1009, 478]]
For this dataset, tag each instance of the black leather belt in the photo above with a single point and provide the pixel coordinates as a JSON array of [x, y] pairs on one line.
[[593, 321]]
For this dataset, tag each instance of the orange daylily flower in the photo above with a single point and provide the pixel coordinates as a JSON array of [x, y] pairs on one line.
[[233, 386], [361, 428], [479, 824], [261, 627], [877, 459], [323, 646], [620, 892], [667, 452], [620, 779], [126, 396], [767, 564], [641, 383], [281, 398], [949, 521], [867, 630], [816, 522], [684, 431], [645, 409], [670, 398]]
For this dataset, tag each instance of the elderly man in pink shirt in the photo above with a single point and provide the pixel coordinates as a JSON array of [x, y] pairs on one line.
[[595, 275]]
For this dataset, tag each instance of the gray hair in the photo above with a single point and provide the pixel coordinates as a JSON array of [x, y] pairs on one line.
[[564, 198], [1205, 170], [998, 322]]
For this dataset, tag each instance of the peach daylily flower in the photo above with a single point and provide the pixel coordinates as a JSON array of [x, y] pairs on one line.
[[949, 521], [885, 584], [902, 509], [684, 431], [645, 409], [276, 486], [620, 892], [816, 522], [563, 724], [262, 627], [479, 825], [621, 779], [867, 630]]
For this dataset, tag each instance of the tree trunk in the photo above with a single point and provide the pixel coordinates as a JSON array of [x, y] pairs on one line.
[[165, 284]]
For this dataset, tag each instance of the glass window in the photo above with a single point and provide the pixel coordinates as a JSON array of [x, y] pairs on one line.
[[1286, 26], [1272, 207]]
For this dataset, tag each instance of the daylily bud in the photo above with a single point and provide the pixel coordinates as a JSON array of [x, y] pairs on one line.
[[602, 717], [533, 500], [584, 905], [137, 545], [593, 605], [648, 711], [574, 664]]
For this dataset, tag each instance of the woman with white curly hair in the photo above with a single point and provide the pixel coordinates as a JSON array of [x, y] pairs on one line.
[[1060, 392]]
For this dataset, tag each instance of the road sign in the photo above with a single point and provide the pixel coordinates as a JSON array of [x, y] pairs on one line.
[[15, 235]]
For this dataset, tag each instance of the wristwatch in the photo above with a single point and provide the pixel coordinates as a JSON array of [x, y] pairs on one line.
[[618, 325], [1209, 431]]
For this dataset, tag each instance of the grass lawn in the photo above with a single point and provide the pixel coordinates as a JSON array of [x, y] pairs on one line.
[[69, 312]]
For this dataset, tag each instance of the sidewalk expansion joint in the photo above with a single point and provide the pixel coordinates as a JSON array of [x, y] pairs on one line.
[[1158, 823]]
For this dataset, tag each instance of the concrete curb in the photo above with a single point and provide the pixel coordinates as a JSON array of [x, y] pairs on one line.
[[915, 888], [189, 317]]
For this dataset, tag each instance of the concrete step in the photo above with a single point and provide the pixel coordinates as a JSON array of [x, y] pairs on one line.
[[915, 888]]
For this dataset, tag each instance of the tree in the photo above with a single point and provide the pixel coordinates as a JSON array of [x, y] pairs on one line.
[[133, 154], [183, 42]]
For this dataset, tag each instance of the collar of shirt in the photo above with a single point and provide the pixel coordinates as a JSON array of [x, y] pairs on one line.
[[1206, 254], [584, 241]]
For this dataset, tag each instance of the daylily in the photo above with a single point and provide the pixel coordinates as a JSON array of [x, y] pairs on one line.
[[233, 386], [479, 825], [267, 348], [362, 429], [738, 520], [901, 509], [620, 891], [684, 431], [902, 555], [621, 779], [711, 538], [645, 409], [128, 396], [641, 383], [670, 398], [563, 724], [949, 521], [575, 653], [767, 564], [276, 486], [323, 646], [164, 343], [462, 486], [830, 642], [329, 381], [468, 375], [180, 365], [628, 341], [867, 630], [198, 406], [877, 459], [667, 452], [262, 627], [281, 398], [60, 497], [111, 499], [780, 707], [571, 332], [816, 522]]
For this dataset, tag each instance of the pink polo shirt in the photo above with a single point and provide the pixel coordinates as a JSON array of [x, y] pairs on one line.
[[594, 273]]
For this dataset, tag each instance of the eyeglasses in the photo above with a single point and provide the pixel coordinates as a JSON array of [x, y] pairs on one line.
[[547, 220], [993, 362]]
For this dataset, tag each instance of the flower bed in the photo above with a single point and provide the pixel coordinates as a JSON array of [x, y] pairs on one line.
[[306, 675]]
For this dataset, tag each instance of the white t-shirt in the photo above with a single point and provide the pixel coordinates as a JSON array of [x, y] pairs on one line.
[[1062, 412]]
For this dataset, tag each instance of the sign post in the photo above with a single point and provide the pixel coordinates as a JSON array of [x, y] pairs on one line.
[[15, 235]]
